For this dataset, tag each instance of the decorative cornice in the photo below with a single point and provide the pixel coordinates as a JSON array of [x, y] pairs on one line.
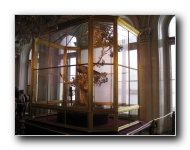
[[146, 35], [128, 26]]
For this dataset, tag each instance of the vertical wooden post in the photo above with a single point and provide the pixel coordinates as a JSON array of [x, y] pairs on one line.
[[90, 75], [65, 74], [115, 76]]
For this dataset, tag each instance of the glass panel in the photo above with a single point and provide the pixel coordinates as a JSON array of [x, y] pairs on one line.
[[49, 115], [123, 45], [41, 87], [133, 92], [133, 58], [132, 40], [133, 72], [48, 85], [77, 78], [133, 75], [123, 118], [82, 35], [127, 117], [133, 50], [69, 41], [133, 115], [84, 56], [52, 85], [53, 116], [103, 87], [123, 86], [127, 78], [74, 36], [123, 68], [103, 65], [72, 56], [49, 56], [103, 43], [39, 113]]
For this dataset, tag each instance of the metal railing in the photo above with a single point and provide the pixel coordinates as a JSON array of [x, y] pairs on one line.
[[151, 126]]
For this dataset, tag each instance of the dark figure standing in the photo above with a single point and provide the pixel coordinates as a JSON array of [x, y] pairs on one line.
[[16, 99], [26, 102], [20, 105]]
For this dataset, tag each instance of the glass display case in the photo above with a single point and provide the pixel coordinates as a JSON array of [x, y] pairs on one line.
[[84, 75]]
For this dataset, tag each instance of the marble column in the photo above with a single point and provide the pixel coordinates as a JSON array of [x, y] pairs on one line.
[[145, 76]]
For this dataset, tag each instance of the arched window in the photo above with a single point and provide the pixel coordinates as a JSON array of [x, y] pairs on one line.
[[172, 27], [70, 41], [172, 55], [167, 68]]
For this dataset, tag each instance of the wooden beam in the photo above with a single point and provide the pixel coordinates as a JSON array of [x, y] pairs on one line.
[[57, 45]]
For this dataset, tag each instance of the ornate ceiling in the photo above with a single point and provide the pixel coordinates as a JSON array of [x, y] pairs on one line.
[[28, 26]]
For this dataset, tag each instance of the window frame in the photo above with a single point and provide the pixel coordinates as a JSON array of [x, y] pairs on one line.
[[171, 41]]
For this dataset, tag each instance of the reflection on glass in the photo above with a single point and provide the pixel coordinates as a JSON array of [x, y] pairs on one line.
[[133, 58], [127, 79], [123, 86], [123, 41], [103, 65], [127, 69]]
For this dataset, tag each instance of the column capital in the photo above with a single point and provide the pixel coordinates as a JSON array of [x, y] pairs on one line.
[[145, 35]]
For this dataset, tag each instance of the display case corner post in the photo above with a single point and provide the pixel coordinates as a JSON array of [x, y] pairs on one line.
[[115, 75], [90, 74]]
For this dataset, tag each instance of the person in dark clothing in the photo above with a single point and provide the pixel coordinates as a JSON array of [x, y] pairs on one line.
[[25, 102], [16, 99], [16, 92], [20, 105]]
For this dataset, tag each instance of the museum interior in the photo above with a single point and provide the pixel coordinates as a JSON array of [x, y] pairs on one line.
[[95, 75]]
